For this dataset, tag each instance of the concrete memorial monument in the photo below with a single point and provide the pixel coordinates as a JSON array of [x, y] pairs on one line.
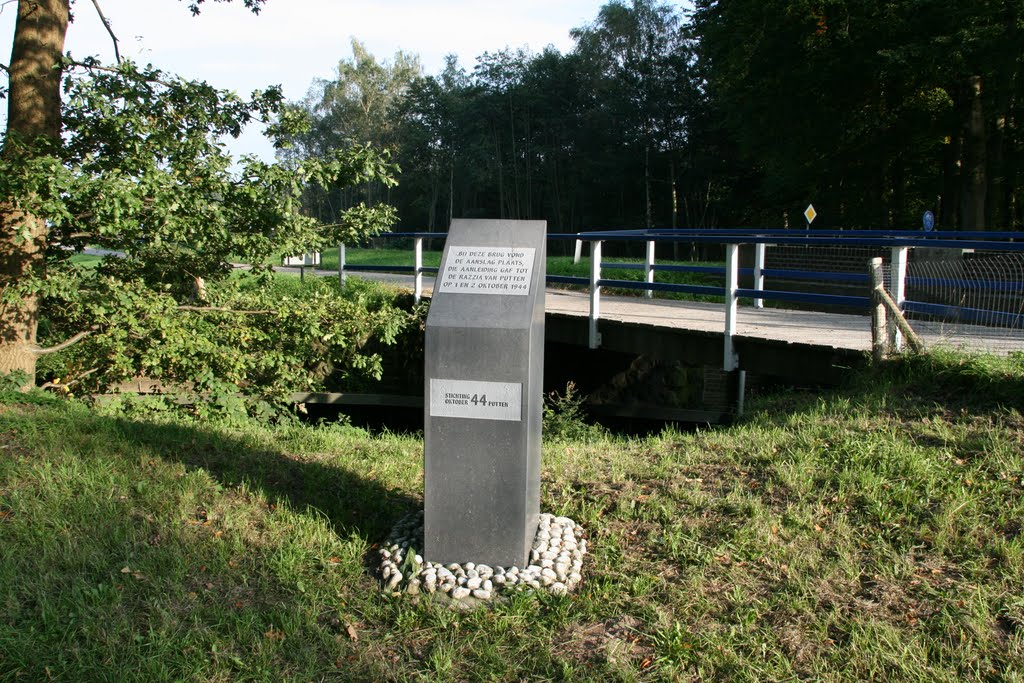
[[484, 362]]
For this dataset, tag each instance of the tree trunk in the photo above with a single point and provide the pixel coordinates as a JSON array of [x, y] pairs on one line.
[[648, 218], [33, 126], [975, 183]]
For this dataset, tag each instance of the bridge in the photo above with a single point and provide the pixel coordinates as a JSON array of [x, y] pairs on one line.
[[824, 312]]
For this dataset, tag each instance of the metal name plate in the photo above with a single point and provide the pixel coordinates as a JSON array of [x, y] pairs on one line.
[[506, 271], [476, 400]]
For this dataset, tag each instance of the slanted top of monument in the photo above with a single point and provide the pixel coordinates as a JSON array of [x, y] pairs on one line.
[[491, 275]]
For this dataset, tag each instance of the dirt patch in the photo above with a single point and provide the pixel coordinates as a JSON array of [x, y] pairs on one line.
[[615, 641]]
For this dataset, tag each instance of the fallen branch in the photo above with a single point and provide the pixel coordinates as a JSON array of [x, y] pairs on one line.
[[68, 385], [223, 309], [901, 322]]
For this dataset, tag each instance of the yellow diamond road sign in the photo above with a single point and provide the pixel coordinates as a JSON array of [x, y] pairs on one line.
[[810, 214]]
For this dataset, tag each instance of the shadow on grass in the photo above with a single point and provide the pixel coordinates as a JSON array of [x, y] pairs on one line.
[[352, 503]]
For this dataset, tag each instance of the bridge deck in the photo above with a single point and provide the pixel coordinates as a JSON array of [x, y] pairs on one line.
[[837, 331], [831, 330]]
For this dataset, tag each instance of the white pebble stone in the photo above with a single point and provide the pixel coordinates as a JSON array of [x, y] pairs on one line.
[[555, 563]]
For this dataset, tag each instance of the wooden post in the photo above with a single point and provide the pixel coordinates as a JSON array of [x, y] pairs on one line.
[[879, 331]]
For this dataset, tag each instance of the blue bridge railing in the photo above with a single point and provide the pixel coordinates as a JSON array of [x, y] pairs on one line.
[[897, 244]]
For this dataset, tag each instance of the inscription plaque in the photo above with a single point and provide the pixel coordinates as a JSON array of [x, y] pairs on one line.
[[488, 270], [484, 368], [476, 400]]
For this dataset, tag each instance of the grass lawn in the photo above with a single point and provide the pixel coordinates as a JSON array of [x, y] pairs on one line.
[[872, 533]]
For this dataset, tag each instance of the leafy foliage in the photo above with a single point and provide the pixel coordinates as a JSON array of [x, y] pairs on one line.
[[263, 340], [141, 170]]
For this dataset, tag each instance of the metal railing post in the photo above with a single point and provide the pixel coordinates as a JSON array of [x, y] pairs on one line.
[[418, 268], [759, 272], [341, 265], [594, 337], [732, 266], [649, 269], [897, 289]]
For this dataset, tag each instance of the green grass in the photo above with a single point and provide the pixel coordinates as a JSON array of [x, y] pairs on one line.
[[868, 534], [378, 257]]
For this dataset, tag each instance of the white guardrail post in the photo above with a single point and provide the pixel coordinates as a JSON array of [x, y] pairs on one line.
[[341, 265], [732, 261], [759, 272], [418, 268], [649, 269], [594, 337], [579, 251], [731, 361], [897, 287]]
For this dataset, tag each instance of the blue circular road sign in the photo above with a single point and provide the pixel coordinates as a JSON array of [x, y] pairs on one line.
[[929, 221]]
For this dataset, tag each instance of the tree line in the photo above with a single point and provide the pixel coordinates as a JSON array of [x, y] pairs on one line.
[[728, 114]]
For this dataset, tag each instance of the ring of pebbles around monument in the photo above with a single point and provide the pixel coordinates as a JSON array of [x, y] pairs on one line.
[[556, 564]]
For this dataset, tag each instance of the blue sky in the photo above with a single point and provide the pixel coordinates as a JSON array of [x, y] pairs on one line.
[[292, 42]]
